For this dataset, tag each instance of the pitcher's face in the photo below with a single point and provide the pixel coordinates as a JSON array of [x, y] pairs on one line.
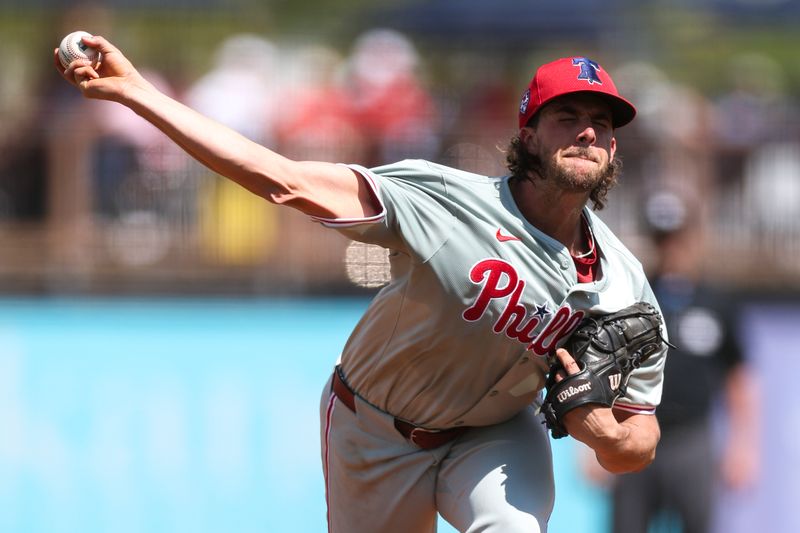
[[573, 141]]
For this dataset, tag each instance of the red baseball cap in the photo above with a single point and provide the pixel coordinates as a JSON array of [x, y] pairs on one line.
[[571, 75]]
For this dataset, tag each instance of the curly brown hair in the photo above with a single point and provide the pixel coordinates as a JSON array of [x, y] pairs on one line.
[[521, 162]]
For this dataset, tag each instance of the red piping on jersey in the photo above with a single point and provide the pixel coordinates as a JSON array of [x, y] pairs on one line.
[[345, 222], [639, 409], [328, 417]]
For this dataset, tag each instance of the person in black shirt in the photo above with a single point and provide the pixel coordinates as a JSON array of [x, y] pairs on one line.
[[706, 370]]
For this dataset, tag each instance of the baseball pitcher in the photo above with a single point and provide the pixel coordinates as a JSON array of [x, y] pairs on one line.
[[437, 403]]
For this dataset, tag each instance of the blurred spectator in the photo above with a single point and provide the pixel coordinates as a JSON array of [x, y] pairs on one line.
[[32, 102], [389, 99], [142, 186], [758, 161], [657, 114], [475, 113], [22, 116], [242, 91], [754, 109], [242, 88], [675, 113], [707, 370], [320, 123], [772, 191], [126, 150]]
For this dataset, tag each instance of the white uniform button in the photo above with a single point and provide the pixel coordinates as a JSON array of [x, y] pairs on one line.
[[564, 263]]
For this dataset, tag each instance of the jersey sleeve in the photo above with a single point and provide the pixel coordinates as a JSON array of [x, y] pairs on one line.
[[646, 382], [415, 209]]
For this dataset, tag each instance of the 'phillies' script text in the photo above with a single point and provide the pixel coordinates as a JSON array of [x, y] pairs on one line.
[[500, 280]]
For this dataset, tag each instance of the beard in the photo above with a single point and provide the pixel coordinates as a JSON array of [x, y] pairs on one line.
[[527, 165], [571, 179]]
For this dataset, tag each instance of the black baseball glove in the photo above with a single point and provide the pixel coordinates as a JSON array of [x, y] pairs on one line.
[[607, 349]]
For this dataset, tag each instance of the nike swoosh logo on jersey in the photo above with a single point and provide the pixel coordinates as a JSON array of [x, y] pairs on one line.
[[505, 238]]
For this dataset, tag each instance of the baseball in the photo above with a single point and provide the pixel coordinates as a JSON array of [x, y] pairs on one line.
[[72, 48]]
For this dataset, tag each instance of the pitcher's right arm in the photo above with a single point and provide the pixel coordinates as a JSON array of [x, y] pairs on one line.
[[319, 189]]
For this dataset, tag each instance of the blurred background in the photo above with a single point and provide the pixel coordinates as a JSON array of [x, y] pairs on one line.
[[165, 334]]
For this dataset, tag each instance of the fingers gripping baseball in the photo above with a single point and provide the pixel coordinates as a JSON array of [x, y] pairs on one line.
[[79, 72], [108, 79]]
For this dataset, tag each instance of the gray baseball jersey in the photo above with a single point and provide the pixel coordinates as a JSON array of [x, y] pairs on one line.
[[478, 298]]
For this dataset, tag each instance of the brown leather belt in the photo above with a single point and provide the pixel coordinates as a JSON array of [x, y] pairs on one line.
[[427, 439]]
